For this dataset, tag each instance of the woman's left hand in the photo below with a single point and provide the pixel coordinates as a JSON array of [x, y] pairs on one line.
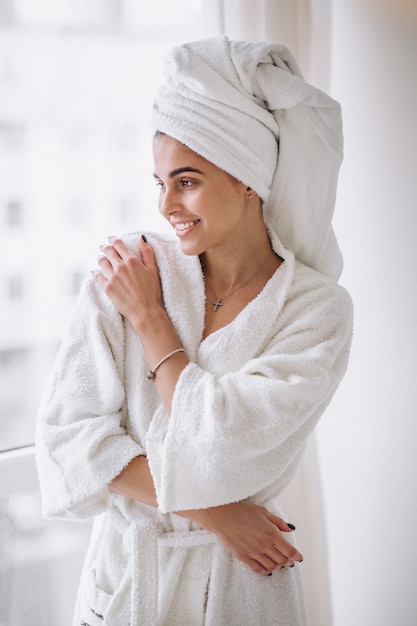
[[131, 282]]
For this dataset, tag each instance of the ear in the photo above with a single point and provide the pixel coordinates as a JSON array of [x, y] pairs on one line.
[[250, 193]]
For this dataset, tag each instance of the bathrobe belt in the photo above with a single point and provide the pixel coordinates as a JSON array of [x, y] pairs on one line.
[[142, 537]]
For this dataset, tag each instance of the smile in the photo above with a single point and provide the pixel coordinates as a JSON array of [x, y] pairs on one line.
[[185, 225]]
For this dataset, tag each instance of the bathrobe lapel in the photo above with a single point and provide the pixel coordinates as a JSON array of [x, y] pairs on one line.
[[184, 297]]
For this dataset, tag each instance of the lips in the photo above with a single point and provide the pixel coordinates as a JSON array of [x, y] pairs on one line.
[[182, 226]]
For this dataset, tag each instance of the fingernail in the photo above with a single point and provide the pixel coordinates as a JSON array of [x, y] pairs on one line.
[[103, 245], [292, 565], [301, 560], [270, 574], [291, 526], [144, 239], [111, 239]]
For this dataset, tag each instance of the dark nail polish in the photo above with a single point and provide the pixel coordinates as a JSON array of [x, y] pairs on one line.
[[291, 526], [144, 239], [270, 574], [292, 565]]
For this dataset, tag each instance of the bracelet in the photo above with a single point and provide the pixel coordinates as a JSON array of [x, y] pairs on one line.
[[151, 373]]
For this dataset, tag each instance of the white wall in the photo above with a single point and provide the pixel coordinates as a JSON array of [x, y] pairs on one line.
[[367, 439]]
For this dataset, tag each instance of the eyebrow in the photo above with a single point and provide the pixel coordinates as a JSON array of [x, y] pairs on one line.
[[181, 170]]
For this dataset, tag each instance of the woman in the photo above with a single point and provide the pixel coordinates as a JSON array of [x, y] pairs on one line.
[[196, 367]]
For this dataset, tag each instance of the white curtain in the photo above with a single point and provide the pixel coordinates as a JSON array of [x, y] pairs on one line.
[[305, 26]]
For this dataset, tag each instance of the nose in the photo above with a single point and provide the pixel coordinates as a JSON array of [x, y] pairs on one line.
[[167, 202]]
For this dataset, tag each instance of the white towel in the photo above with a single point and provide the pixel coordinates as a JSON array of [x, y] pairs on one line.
[[238, 104]]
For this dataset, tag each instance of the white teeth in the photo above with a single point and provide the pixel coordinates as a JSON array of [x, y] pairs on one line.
[[185, 225]]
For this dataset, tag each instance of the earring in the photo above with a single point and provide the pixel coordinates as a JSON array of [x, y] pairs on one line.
[[250, 196]]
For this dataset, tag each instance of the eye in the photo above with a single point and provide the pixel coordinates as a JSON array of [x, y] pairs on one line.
[[159, 183], [186, 183]]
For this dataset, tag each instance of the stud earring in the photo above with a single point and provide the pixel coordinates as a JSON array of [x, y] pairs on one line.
[[250, 196]]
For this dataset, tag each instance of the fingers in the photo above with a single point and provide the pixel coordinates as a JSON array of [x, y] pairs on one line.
[[284, 526], [114, 254], [264, 564], [147, 252], [272, 551], [284, 553], [118, 246], [116, 251]]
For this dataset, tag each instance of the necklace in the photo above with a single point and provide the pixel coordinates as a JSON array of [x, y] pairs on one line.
[[219, 301]]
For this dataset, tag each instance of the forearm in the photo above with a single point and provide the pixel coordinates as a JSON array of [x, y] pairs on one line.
[[136, 482], [158, 338], [250, 532], [133, 285]]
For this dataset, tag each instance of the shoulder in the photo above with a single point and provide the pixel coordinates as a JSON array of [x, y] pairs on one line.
[[317, 285], [159, 241], [316, 299]]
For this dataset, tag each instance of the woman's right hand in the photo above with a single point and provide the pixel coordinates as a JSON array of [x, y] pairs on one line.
[[253, 534]]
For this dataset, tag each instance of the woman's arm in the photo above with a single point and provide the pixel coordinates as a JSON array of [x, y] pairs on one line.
[[134, 287], [253, 534]]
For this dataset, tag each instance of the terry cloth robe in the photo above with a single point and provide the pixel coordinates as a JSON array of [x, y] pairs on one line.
[[242, 411]]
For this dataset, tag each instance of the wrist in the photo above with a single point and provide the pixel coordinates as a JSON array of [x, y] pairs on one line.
[[199, 516], [152, 322]]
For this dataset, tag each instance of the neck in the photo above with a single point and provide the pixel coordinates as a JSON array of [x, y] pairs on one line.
[[227, 269]]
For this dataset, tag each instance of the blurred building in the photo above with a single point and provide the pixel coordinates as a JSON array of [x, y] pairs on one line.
[[77, 79]]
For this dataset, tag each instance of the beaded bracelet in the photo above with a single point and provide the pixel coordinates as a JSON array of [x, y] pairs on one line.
[[151, 373]]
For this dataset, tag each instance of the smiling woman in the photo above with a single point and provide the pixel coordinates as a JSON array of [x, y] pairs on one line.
[[176, 421]]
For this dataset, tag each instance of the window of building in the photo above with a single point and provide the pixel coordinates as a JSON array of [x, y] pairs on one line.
[[75, 143], [14, 213], [12, 135], [16, 288]]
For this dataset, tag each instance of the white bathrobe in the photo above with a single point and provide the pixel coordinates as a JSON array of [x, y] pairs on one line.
[[242, 412]]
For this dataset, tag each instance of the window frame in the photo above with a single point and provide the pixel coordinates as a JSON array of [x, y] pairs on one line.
[[18, 471]]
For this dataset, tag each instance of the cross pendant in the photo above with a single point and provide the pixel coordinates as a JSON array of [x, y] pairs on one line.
[[217, 304]]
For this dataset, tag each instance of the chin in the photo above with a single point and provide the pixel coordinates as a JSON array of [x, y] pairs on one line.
[[190, 249]]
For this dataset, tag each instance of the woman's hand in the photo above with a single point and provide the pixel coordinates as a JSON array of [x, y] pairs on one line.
[[253, 534], [132, 283]]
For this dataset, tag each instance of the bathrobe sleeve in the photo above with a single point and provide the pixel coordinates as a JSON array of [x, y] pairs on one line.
[[81, 444], [233, 436]]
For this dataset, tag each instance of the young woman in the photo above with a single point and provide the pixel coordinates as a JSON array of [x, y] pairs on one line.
[[196, 366]]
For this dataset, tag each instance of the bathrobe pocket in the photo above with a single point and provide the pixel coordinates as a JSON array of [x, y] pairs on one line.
[[106, 578], [94, 602]]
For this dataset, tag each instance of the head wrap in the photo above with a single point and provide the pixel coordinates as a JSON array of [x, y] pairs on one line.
[[245, 107]]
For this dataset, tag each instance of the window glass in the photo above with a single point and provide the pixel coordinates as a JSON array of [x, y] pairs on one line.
[[77, 81], [40, 563]]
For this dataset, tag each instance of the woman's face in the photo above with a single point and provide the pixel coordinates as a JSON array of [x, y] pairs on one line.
[[206, 207]]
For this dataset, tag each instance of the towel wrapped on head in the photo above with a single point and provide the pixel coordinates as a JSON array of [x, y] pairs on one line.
[[245, 107]]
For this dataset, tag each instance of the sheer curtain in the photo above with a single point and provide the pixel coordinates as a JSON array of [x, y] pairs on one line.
[[305, 26]]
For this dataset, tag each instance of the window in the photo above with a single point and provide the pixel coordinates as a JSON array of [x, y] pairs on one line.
[[14, 210], [16, 287], [77, 79], [77, 149], [41, 560], [12, 135]]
